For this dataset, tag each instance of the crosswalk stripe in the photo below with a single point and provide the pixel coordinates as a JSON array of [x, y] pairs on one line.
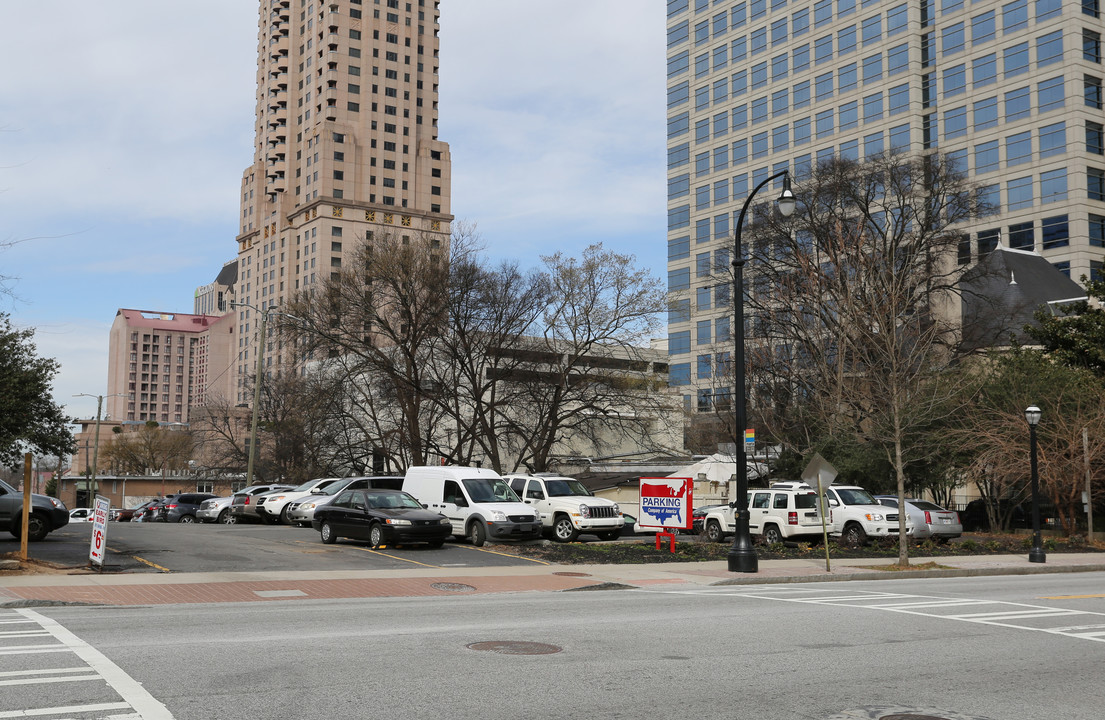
[[64, 710]]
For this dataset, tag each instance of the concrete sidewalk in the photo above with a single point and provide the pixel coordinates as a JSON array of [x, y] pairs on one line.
[[172, 588]]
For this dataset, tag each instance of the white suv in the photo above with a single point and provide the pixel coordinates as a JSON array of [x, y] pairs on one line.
[[567, 508], [785, 511]]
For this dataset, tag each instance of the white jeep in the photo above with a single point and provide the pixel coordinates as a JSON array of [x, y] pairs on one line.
[[566, 507], [785, 511]]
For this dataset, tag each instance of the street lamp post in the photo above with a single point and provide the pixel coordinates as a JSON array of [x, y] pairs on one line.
[[256, 389], [742, 557], [1036, 554], [96, 442]]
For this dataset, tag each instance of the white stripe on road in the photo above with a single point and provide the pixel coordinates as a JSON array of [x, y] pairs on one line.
[[42, 712], [146, 705], [24, 649], [41, 680]]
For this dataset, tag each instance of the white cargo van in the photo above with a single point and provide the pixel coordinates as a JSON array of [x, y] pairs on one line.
[[477, 501]]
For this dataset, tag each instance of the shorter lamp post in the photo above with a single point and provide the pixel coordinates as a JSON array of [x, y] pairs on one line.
[[1036, 554], [92, 488]]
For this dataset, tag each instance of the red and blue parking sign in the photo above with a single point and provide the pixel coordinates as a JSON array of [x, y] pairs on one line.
[[666, 503]]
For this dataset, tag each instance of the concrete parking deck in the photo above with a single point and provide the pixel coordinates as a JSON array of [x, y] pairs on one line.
[[85, 587]]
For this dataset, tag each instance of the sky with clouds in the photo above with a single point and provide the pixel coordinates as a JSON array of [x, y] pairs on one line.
[[124, 137]]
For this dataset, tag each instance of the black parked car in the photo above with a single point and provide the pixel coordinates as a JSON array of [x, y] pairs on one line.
[[381, 517], [46, 514], [156, 511], [183, 507]]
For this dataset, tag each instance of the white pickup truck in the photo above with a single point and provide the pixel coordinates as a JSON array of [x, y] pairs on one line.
[[854, 516]]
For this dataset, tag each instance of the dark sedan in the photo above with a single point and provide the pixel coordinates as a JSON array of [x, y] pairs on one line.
[[382, 517]]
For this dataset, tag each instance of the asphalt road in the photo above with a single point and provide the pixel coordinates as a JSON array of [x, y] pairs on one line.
[[1008, 648], [164, 547]]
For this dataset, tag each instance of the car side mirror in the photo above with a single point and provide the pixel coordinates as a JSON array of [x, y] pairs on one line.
[[833, 503], [461, 502]]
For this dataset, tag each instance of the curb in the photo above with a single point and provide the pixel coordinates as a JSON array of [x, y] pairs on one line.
[[910, 575]]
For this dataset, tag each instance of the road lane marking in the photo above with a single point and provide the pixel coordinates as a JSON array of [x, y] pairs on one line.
[[67, 709], [394, 557], [29, 649], [129, 689], [40, 680], [513, 557], [1070, 597], [151, 564]]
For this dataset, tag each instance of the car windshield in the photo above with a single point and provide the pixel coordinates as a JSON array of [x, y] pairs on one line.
[[305, 487], [855, 496], [489, 490], [393, 500], [336, 487], [565, 488]]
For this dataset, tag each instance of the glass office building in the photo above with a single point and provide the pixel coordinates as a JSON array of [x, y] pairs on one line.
[[1011, 91]]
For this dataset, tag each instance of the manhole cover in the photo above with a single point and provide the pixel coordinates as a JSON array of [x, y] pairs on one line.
[[452, 587], [911, 717], [571, 574], [515, 647]]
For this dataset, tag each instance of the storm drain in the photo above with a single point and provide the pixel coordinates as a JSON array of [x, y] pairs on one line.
[[515, 647], [571, 574], [452, 587]]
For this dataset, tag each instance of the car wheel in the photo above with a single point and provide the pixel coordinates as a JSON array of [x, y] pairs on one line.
[[563, 529], [713, 531], [223, 516], [326, 532], [37, 528], [610, 535], [228, 518], [854, 535], [772, 535], [284, 516], [376, 536], [477, 533], [187, 519]]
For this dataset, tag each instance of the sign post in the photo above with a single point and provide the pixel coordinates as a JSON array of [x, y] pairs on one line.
[[666, 505], [99, 531]]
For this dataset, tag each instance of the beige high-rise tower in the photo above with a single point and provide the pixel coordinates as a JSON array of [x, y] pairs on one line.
[[346, 147]]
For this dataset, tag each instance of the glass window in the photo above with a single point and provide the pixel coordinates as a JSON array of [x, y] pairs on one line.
[[721, 329], [1055, 232], [801, 57], [679, 124], [846, 40], [1049, 95], [702, 131], [823, 49], [738, 15], [778, 32], [1053, 139], [849, 150], [703, 336], [679, 155], [824, 123], [898, 99], [702, 230], [1095, 142], [721, 124], [702, 32], [1015, 59], [849, 115], [1018, 149], [679, 311], [1053, 185], [703, 298], [1014, 16], [1018, 104], [872, 68], [721, 57], [955, 122], [740, 151], [1022, 236], [759, 110], [823, 86], [679, 94], [983, 27], [985, 113], [738, 49], [929, 132], [845, 7], [701, 164], [822, 12], [1046, 9], [897, 59], [779, 102], [740, 82], [679, 342], [952, 39], [1091, 91], [679, 279], [1019, 193], [759, 145], [778, 67], [802, 94], [721, 90], [679, 248], [721, 158], [679, 373], [721, 224], [739, 117], [800, 22], [847, 77], [989, 203], [1049, 48], [702, 197], [1095, 179], [757, 41], [1091, 8], [676, 6], [1097, 230], [872, 107], [702, 98], [756, 8], [679, 186], [802, 131], [955, 80], [678, 34], [900, 137], [984, 70], [679, 217], [759, 75], [988, 241], [679, 64], [986, 157], [871, 31], [780, 138], [872, 145], [702, 65], [897, 19], [1091, 46], [950, 6]]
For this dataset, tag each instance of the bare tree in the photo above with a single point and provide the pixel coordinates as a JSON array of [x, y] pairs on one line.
[[854, 301], [151, 448]]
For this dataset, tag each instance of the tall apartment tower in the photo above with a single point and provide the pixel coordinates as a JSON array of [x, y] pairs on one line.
[[346, 147], [1011, 90]]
